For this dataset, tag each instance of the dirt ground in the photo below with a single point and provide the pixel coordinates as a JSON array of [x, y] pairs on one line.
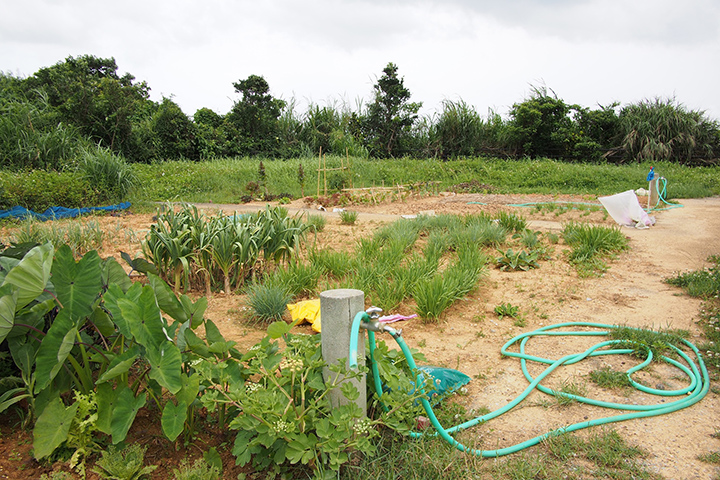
[[470, 334]]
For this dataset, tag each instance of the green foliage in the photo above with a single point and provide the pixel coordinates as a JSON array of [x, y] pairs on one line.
[[608, 378], [316, 223], [348, 217], [81, 236], [268, 302], [38, 190], [662, 130], [541, 126], [199, 470], [253, 120], [287, 417], [591, 244], [387, 123], [703, 283], [31, 133], [89, 94], [111, 178], [125, 464], [522, 260], [46, 329], [174, 134], [507, 310]]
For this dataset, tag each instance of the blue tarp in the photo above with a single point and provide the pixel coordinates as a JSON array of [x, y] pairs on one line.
[[54, 213]]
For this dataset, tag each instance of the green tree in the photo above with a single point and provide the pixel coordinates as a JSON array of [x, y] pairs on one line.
[[541, 126], [388, 121], [254, 119], [175, 134], [88, 93]]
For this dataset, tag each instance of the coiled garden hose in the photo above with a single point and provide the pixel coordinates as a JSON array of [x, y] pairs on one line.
[[695, 370]]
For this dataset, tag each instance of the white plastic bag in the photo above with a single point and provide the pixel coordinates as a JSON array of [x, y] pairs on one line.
[[625, 209]]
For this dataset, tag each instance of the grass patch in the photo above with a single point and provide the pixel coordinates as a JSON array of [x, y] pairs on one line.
[[606, 377], [591, 245]]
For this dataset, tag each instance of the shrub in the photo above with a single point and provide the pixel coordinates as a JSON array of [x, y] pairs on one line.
[[38, 190], [110, 176], [268, 302]]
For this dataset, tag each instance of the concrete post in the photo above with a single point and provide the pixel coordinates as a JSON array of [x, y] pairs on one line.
[[337, 311]]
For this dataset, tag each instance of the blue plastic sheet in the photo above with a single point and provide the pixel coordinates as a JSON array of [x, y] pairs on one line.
[[54, 213]]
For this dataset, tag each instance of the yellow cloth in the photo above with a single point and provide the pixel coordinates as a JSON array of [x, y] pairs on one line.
[[307, 311]]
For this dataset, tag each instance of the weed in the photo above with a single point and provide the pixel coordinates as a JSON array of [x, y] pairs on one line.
[[606, 377], [316, 223], [199, 470], [507, 310], [568, 391], [522, 260], [126, 464], [348, 217], [268, 302]]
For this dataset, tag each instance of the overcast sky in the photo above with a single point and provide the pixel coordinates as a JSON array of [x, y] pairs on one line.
[[486, 52]]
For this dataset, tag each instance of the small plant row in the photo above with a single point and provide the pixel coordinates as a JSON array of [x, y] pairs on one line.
[[188, 248]]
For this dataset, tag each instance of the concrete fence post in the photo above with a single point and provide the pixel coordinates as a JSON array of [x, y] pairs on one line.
[[337, 311]]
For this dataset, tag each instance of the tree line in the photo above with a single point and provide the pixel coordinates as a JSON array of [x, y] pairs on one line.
[[83, 103]]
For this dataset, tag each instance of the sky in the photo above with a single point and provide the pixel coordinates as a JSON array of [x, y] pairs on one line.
[[488, 53]]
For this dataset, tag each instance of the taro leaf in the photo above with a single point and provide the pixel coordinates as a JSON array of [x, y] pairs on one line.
[[23, 354], [123, 415], [8, 300], [190, 388], [33, 317], [52, 427], [106, 397], [139, 264], [173, 419], [113, 274], [19, 250], [102, 322], [166, 365], [31, 274], [77, 285], [194, 311], [144, 318], [166, 299], [195, 344], [212, 333], [54, 349], [120, 364], [111, 297]]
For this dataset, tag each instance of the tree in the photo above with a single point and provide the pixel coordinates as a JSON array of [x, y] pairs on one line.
[[175, 135], [254, 119], [387, 124], [541, 126], [90, 95]]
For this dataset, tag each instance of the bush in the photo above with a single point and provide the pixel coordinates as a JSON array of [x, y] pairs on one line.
[[37, 190], [111, 177]]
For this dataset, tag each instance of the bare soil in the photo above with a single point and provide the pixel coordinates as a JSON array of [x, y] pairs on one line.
[[469, 336]]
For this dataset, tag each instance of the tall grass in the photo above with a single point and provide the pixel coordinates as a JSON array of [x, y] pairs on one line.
[[108, 173]]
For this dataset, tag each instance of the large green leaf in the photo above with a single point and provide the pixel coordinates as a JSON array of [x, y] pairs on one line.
[[31, 317], [114, 274], [106, 397], [8, 300], [111, 297], [173, 419], [144, 318], [123, 415], [166, 366], [77, 285], [23, 354], [190, 388], [52, 427], [31, 274], [166, 299], [195, 344], [194, 311], [54, 349], [120, 364]]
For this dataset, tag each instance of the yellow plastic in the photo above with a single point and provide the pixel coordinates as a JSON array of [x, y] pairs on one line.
[[307, 311]]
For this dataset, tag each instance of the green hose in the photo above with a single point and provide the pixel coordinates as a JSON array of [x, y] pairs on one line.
[[695, 371]]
